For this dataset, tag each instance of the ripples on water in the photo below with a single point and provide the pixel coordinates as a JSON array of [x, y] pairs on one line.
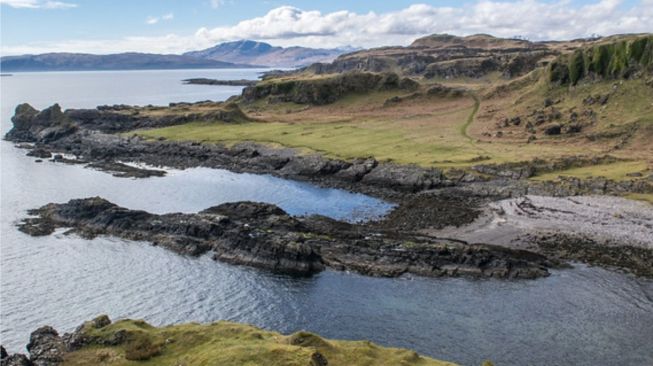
[[584, 316]]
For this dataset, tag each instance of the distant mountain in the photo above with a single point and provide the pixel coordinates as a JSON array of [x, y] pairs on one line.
[[260, 53], [120, 61]]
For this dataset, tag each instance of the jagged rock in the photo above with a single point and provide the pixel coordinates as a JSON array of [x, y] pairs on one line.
[[3, 353], [45, 347], [17, 359], [31, 125]]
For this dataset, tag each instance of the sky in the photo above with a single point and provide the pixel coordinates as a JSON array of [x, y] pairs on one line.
[[177, 26]]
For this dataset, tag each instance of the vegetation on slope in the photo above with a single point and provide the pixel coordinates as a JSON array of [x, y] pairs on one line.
[[608, 60], [134, 342], [462, 121]]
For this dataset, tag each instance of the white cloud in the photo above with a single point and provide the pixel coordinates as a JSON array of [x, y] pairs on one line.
[[284, 26], [37, 4], [154, 20]]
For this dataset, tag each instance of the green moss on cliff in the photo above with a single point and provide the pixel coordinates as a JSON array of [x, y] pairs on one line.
[[227, 344], [616, 59]]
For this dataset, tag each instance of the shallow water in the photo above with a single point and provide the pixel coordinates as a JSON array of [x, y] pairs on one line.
[[584, 316]]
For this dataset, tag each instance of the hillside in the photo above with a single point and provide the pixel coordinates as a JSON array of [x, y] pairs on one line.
[[260, 53], [134, 342], [480, 104], [121, 61]]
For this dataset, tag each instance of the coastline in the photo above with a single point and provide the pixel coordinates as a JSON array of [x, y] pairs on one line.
[[427, 199]]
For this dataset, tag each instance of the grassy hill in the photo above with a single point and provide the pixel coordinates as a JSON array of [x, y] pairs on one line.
[[461, 121], [226, 344]]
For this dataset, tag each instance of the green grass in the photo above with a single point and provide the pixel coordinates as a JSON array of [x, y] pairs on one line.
[[614, 171], [232, 344]]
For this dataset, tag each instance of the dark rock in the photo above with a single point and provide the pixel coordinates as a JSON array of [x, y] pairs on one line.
[[554, 129], [318, 359], [40, 153], [3, 353], [405, 178], [548, 102], [264, 236], [121, 170], [47, 125], [45, 347], [573, 128], [101, 321], [17, 359], [635, 174], [515, 121]]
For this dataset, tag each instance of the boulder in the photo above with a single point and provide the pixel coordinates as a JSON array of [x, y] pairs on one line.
[[45, 347], [554, 129]]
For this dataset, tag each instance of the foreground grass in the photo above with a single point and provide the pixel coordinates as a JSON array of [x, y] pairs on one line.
[[228, 344]]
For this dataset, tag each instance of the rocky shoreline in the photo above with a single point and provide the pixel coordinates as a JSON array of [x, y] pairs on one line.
[[427, 198]]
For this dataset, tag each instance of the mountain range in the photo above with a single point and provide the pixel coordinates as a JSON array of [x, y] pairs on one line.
[[238, 54], [260, 53]]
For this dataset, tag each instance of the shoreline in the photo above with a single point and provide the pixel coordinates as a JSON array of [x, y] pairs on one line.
[[428, 199]]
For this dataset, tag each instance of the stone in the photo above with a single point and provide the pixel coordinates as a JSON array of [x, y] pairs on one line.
[[45, 347], [554, 129]]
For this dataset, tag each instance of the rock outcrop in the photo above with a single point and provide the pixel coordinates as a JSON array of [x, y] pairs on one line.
[[325, 90], [264, 236]]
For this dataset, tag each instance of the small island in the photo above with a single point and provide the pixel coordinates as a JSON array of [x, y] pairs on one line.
[[205, 81]]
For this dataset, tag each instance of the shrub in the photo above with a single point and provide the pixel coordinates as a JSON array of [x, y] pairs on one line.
[[142, 349]]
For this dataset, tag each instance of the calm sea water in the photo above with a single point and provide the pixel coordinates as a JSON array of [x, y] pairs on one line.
[[584, 316]]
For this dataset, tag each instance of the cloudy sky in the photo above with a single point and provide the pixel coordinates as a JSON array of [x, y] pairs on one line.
[[175, 26]]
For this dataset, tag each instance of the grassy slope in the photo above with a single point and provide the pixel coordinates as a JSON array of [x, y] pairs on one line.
[[448, 132], [228, 344]]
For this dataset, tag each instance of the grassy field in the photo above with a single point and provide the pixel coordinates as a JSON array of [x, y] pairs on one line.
[[231, 344], [449, 132]]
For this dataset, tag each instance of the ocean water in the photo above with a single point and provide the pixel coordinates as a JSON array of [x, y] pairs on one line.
[[581, 316]]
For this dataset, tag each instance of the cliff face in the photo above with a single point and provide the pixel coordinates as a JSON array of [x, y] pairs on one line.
[[610, 59], [318, 91], [446, 57]]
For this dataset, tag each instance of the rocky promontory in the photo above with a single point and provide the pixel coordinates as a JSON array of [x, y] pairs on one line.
[[264, 236]]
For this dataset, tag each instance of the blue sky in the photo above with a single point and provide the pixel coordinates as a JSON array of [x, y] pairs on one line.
[[174, 26]]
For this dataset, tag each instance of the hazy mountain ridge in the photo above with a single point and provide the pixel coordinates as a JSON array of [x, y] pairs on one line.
[[261, 53], [120, 61]]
